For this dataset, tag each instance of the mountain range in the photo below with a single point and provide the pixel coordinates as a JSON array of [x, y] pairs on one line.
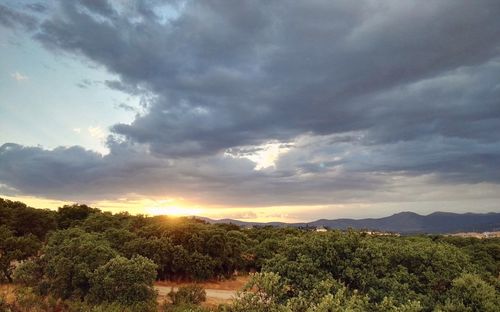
[[403, 222]]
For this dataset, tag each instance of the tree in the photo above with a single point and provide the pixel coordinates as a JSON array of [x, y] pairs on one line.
[[263, 292], [29, 273], [14, 248], [341, 301], [23, 220], [200, 267], [126, 281], [72, 215], [100, 222], [301, 274], [470, 293], [159, 250], [118, 238], [71, 257]]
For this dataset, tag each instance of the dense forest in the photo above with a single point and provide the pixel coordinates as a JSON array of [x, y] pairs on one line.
[[79, 258]]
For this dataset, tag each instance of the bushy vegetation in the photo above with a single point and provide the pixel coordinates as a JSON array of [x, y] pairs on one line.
[[82, 259], [187, 295]]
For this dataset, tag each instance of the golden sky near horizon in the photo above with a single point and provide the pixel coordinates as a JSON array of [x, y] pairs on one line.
[[290, 213], [171, 208]]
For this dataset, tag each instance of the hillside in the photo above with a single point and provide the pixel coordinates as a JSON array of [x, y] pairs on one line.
[[403, 222]]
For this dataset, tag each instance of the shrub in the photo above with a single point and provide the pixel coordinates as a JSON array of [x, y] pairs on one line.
[[191, 294], [29, 273], [4, 305], [77, 306], [28, 300]]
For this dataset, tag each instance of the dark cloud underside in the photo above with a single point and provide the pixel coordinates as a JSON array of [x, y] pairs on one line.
[[363, 91]]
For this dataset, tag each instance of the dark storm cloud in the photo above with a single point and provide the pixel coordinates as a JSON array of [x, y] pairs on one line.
[[102, 7], [77, 174], [73, 172], [36, 7], [357, 91], [36, 170], [229, 74], [14, 19]]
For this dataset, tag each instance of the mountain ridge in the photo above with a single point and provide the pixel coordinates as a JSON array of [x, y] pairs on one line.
[[405, 222]]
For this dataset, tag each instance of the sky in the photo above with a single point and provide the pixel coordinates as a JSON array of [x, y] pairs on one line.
[[253, 110]]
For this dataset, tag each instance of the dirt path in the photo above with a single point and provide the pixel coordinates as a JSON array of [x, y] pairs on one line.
[[217, 294], [230, 284]]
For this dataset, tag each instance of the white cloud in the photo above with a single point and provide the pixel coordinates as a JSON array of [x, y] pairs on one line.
[[264, 156], [97, 132], [18, 76], [77, 130]]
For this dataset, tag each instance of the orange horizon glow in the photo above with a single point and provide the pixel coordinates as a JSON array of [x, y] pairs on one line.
[[134, 204], [169, 207]]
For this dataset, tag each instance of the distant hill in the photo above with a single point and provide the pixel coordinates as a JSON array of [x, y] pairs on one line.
[[403, 222]]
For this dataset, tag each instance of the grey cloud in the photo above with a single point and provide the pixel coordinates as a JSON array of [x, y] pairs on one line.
[[34, 170], [85, 83], [14, 19], [77, 174], [120, 86], [127, 107], [461, 103], [101, 7], [232, 74], [74, 172], [36, 7], [361, 92]]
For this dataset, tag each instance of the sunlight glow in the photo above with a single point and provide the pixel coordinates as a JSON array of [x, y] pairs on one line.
[[176, 211], [264, 156], [38, 202]]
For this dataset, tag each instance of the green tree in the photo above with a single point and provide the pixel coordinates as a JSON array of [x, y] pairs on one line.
[[29, 273], [264, 292], [71, 257], [301, 274], [200, 267], [23, 220], [73, 215], [13, 248], [159, 250], [469, 293], [341, 301], [118, 238], [103, 221], [125, 281]]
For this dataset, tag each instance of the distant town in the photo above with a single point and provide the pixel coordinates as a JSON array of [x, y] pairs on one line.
[[478, 235]]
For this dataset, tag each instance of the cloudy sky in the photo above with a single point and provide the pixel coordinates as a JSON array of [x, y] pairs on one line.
[[258, 110]]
